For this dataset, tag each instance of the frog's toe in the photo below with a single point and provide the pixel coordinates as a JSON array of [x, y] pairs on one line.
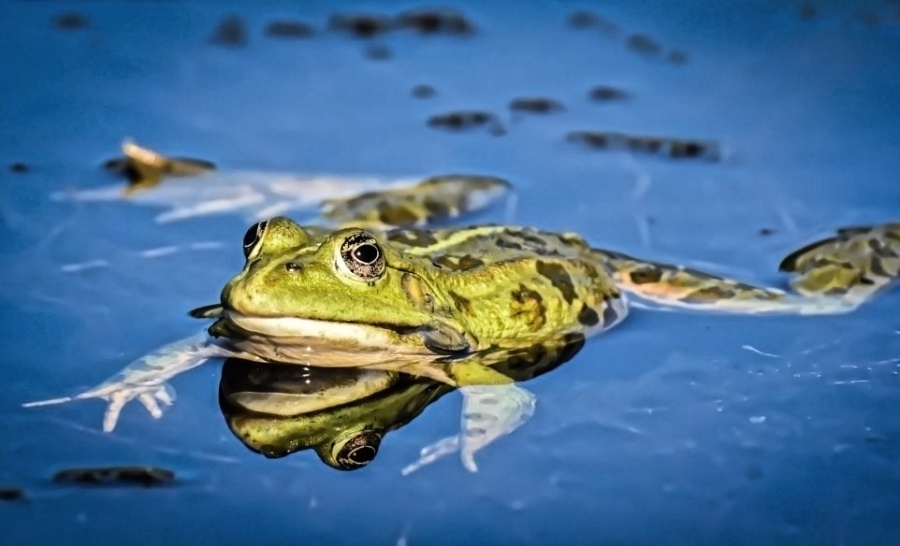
[[116, 402], [49, 402], [432, 453], [149, 397], [149, 402], [490, 412], [165, 394]]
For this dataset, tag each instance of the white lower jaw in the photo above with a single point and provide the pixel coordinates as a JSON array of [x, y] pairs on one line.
[[294, 327]]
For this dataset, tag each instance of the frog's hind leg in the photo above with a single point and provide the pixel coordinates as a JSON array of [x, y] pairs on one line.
[[851, 266], [430, 200], [658, 284], [835, 276]]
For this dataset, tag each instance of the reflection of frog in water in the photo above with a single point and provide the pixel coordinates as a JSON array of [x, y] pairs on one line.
[[439, 302], [343, 414]]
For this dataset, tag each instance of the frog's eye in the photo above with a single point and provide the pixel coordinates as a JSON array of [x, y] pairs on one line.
[[356, 451], [253, 237], [360, 256]]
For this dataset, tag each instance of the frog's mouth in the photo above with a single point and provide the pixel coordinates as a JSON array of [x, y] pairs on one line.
[[296, 328]]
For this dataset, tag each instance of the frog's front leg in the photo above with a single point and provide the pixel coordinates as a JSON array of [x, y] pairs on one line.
[[493, 406], [146, 379]]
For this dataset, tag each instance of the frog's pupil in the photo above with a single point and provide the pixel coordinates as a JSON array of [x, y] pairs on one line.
[[362, 455], [366, 253], [358, 451], [252, 236]]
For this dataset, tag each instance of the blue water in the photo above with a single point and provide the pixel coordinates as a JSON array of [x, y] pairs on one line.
[[674, 428]]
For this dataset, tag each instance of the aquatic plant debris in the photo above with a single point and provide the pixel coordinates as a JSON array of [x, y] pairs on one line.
[[674, 148], [536, 105], [116, 475], [11, 493], [465, 120]]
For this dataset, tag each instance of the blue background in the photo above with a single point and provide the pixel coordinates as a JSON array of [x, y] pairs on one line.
[[671, 429]]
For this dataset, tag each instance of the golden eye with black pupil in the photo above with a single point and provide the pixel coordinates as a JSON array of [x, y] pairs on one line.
[[361, 256], [253, 236], [357, 451]]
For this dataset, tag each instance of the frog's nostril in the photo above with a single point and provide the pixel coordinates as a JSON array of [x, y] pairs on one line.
[[293, 267]]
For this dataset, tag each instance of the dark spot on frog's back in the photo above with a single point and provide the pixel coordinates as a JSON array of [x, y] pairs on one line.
[[462, 303], [394, 215], [467, 263], [523, 294], [559, 278], [444, 262], [412, 237], [510, 244], [437, 209], [453, 263]]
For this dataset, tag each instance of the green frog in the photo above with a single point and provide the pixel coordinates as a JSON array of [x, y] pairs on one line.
[[382, 291], [343, 414]]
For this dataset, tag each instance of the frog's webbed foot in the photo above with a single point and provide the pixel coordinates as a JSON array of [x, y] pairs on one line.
[[146, 379], [117, 395], [851, 266], [489, 412], [433, 199], [493, 406]]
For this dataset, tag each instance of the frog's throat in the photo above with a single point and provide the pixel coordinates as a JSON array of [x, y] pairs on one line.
[[366, 335]]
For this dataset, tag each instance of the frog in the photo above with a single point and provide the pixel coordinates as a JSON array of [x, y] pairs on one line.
[[187, 188], [383, 289], [343, 414]]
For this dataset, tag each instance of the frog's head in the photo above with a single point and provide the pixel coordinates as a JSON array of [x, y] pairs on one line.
[[341, 414], [340, 286]]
